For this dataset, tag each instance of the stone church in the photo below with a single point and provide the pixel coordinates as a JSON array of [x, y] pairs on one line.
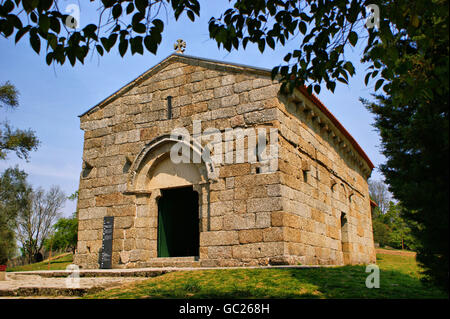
[[309, 204]]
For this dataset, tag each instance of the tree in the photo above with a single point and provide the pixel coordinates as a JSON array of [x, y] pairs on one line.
[[35, 224], [14, 192], [381, 232], [401, 229], [379, 193], [415, 143], [65, 236], [20, 141]]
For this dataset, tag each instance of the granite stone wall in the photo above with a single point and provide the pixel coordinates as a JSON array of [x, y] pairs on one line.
[[248, 215]]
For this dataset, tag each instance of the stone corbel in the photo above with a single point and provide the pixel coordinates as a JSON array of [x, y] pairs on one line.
[[352, 193], [332, 183], [129, 159], [87, 165], [300, 106], [306, 166]]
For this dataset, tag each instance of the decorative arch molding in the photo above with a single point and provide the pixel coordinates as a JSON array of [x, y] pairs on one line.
[[157, 151]]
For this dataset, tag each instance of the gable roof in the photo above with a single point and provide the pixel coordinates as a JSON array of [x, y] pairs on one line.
[[228, 66]]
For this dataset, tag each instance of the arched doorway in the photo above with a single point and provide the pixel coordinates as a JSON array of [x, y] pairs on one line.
[[177, 198]]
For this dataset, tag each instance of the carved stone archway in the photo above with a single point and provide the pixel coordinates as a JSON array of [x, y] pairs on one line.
[[153, 169]]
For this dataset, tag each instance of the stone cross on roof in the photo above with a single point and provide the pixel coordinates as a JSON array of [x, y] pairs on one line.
[[180, 46]]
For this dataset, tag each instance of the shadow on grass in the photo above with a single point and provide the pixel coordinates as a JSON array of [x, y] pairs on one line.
[[340, 282], [398, 280]]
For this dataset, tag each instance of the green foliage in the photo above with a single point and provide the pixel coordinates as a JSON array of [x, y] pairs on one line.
[[20, 141], [381, 232], [14, 193], [8, 95], [415, 143], [324, 30], [73, 196], [128, 24], [400, 230], [411, 55], [65, 236]]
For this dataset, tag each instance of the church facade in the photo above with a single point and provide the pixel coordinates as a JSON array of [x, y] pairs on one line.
[[282, 181]]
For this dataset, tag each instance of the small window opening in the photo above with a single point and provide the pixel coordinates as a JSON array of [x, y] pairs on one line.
[[305, 176], [343, 219], [169, 107]]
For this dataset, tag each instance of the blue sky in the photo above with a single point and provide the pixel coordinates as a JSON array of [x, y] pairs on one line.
[[52, 97]]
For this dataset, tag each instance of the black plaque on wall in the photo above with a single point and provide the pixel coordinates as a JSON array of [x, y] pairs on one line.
[[106, 252]]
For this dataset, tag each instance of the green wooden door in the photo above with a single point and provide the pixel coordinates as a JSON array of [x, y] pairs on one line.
[[163, 207], [178, 223]]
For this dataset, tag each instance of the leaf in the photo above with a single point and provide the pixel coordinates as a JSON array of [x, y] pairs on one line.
[[261, 45], [317, 88], [89, 30], [112, 40], [136, 45], [44, 23], [270, 42], [141, 5], [139, 28], [159, 25], [190, 15], [104, 42], [378, 84], [349, 67], [302, 27], [45, 5], [367, 77], [353, 38], [274, 72], [287, 57], [244, 42], [35, 41], [99, 49], [331, 86], [150, 44], [8, 6], [33, 17], [123, 46], [55, 25], [108, 3], [49, 58], [130, 8], [117, 11]]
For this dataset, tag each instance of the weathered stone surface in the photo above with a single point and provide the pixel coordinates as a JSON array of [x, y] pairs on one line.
[[219, 238], [247, 216]]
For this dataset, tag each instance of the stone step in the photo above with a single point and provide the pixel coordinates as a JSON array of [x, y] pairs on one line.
[[47, 291], [20, 285], [177, 262], [134, 272]]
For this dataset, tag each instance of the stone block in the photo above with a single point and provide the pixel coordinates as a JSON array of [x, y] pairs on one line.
[[219, 238], [250, 236]]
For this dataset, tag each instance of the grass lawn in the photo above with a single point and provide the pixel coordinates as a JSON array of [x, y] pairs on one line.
[[55, 264], [399, 278]]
